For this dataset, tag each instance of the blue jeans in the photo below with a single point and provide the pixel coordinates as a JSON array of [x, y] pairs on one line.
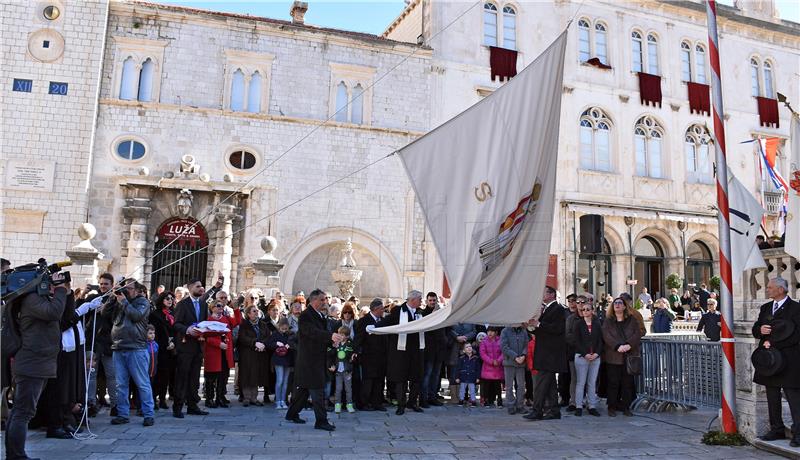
[[107, 361], [431, 380], [281, 382], [133, 364]]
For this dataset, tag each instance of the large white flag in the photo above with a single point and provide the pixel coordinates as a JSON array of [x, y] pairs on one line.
[[792, 245], [745, 217], [486, 183]]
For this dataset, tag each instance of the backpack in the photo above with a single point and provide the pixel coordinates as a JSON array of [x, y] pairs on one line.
[[10, 340]]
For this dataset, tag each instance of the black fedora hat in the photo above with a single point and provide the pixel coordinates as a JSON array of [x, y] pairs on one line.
[[767, 361], [781, 330]]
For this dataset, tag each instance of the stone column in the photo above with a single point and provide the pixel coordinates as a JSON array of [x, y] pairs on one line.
[[223, 242], [138, 210], [267, 266], [84, 257]]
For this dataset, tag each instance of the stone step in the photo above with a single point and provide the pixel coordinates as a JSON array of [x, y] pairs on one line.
[[780, 447]]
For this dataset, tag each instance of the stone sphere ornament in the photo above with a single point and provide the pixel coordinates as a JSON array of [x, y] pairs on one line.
[[87, 231]]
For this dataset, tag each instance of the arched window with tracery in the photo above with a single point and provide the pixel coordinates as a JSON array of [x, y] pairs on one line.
[[489, 24], [698, 159], [595, 151], [648, 135], [509, 28]]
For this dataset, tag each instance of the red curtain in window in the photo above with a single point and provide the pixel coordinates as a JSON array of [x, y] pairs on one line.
[[699, 101], [650, 89], [597, 63], [768, 112], [503, 62]]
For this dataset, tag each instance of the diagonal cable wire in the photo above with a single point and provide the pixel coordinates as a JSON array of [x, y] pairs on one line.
[[325, 187], [303, 138]]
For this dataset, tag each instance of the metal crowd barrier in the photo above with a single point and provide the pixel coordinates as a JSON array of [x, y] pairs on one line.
[[682, 369]]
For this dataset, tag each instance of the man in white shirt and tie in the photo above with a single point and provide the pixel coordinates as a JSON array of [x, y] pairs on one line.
[[780, 309], [190, 311]]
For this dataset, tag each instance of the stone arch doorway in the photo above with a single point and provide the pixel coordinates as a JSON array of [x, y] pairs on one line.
[[699, 263], [181, 260], [315, 272], [649, 266]]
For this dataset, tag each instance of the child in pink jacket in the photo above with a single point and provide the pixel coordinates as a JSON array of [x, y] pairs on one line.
[[492, 370]]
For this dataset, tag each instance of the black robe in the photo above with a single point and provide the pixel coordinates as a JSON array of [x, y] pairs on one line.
[[371, 348], [408, 365]]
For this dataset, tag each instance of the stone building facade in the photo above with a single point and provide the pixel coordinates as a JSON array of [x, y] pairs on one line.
[[215, 125], [52, 56], [657, 201]]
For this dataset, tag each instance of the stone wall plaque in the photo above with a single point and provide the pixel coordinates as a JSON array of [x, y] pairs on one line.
[[23, 221], [24, 175]]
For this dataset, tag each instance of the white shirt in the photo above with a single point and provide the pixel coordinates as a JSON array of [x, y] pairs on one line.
[[778, 304]]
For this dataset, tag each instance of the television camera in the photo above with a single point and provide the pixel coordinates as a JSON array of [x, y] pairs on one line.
[[28, 278]]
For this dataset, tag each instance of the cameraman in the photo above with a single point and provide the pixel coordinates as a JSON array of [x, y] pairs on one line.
[[129, 342], [35, 362]]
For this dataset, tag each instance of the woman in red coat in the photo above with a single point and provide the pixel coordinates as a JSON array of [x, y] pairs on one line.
[[218, 356]]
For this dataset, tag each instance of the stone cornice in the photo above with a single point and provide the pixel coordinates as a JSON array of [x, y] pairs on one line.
[[274, 27], [159, 106]]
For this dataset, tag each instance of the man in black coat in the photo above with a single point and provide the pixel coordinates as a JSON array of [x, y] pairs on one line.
[[371, 353], [703, 295], [549, 356], [710, 322], [436, 352], [36, 361], [313, 340], [781, 308], [406, 354], [190, 311]]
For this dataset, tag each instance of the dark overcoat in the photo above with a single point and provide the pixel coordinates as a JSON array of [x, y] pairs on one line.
[[371, 348], [313, 340], [408, 365], [550, 354], [789, 377], [253, 365]]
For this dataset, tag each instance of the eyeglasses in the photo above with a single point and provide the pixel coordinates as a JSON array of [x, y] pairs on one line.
[[619, 303], [586, 309], [580, 301]]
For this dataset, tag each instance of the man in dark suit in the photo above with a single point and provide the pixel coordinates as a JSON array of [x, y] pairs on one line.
[[313, 340], [549, 356], [406, 354], [371, 353], [781, 308], [703, 295], [190, 311]]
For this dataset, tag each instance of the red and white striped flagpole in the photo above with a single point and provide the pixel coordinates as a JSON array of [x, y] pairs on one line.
[[726, 285]]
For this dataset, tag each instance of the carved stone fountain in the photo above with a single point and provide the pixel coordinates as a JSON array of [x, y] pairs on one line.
[[346, 276]]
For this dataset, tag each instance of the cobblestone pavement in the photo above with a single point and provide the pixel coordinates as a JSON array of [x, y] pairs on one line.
[[447, 432]]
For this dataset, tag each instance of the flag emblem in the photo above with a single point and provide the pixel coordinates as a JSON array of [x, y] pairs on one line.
[[794, 182], [496, 249]]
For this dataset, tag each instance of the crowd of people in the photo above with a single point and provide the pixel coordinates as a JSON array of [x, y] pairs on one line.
[[118, 347]]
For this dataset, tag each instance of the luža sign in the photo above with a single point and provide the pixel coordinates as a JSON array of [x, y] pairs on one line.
[[185, 232]]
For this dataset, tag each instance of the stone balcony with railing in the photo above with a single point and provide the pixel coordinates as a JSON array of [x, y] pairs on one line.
[[750, 294]]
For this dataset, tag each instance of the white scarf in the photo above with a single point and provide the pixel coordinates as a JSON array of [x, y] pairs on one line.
[[68, 337], [401, 338]]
